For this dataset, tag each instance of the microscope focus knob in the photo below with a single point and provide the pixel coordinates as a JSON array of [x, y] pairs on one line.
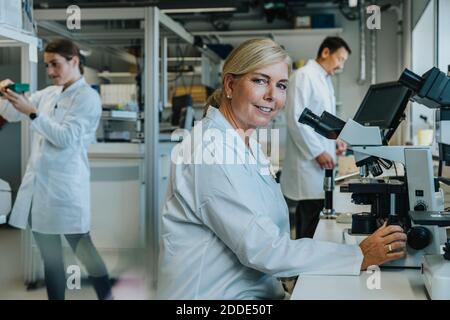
[[419, 238], [420, 206]]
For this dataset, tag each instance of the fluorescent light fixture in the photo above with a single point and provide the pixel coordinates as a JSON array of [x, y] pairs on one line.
[[352, 3], [199, 10]]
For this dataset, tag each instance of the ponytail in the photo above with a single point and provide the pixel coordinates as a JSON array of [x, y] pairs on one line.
[[214, 100]]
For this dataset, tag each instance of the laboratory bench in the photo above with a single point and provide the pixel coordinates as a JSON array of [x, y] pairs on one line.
[[394, 284]]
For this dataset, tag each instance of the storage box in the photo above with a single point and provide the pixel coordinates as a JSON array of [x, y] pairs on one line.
[[122, 96], [302, 22], [319, 21], [199, 93], [11, 13], [346, 165]]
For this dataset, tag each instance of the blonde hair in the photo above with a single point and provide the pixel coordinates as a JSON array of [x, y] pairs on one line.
[[249, 56]]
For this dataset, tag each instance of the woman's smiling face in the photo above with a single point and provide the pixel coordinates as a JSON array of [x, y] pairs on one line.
[[256, 97]]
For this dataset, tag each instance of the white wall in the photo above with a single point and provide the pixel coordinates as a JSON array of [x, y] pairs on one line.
[[444, 35], [349, 92], [423, 58], [387, 61], [418, 7], [430, 47]]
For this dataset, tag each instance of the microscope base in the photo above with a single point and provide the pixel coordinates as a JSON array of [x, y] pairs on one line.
[[436, 275]]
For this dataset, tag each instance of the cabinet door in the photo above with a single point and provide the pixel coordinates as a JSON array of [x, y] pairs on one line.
[[115, 200]]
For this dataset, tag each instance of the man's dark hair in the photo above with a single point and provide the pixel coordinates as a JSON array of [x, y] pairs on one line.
[[333, 44]]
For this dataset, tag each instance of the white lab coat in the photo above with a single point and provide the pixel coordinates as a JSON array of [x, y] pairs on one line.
[[56, 183], [309, 87], [225, 227]]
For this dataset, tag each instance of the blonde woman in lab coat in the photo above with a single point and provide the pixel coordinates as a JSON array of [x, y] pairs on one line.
[[54, 197], [225, 228]]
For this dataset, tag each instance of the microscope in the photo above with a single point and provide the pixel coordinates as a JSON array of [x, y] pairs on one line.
[[432, 90], [414, 201]]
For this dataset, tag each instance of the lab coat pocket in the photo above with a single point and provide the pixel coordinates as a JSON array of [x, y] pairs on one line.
[[64, 189]]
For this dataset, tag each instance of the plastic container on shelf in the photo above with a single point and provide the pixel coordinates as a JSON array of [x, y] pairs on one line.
[[302, 22], [321, 21], [119, 96]]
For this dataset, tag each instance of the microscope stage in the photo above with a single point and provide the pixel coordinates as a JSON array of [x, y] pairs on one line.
[[431, 218]]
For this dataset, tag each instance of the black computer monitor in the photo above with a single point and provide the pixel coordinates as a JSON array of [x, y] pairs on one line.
[[182, 111], [384, 106], [179, 104]]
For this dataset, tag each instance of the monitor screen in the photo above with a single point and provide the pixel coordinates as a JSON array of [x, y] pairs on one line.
[[383, 107], [178, 104]]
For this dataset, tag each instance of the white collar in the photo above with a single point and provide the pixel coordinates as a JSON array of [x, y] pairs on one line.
[[215, 115], [318, 67], [74, 86], [218, 118]]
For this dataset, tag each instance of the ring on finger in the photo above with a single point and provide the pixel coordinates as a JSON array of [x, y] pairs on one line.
[[389, 248]]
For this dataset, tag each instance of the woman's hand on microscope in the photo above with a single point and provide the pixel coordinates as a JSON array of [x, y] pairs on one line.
[[386, 244]]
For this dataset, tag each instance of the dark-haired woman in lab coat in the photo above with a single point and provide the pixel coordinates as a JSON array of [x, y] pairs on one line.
[[54, 196]]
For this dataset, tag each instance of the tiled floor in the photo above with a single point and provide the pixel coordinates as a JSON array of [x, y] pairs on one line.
[[131, 285]]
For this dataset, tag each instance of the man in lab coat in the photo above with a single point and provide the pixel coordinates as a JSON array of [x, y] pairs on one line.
[[308, 154]]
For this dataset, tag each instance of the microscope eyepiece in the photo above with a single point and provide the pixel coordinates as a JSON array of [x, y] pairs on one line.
[[411, 80], [309, 118], [326, 125]]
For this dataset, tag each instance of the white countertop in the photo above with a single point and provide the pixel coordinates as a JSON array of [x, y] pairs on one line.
[[115, 150], [392, 284]]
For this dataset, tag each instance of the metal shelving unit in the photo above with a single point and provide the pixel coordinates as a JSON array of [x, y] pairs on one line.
[[121, 115], [158, 27], [271, 33], [28, 44]]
